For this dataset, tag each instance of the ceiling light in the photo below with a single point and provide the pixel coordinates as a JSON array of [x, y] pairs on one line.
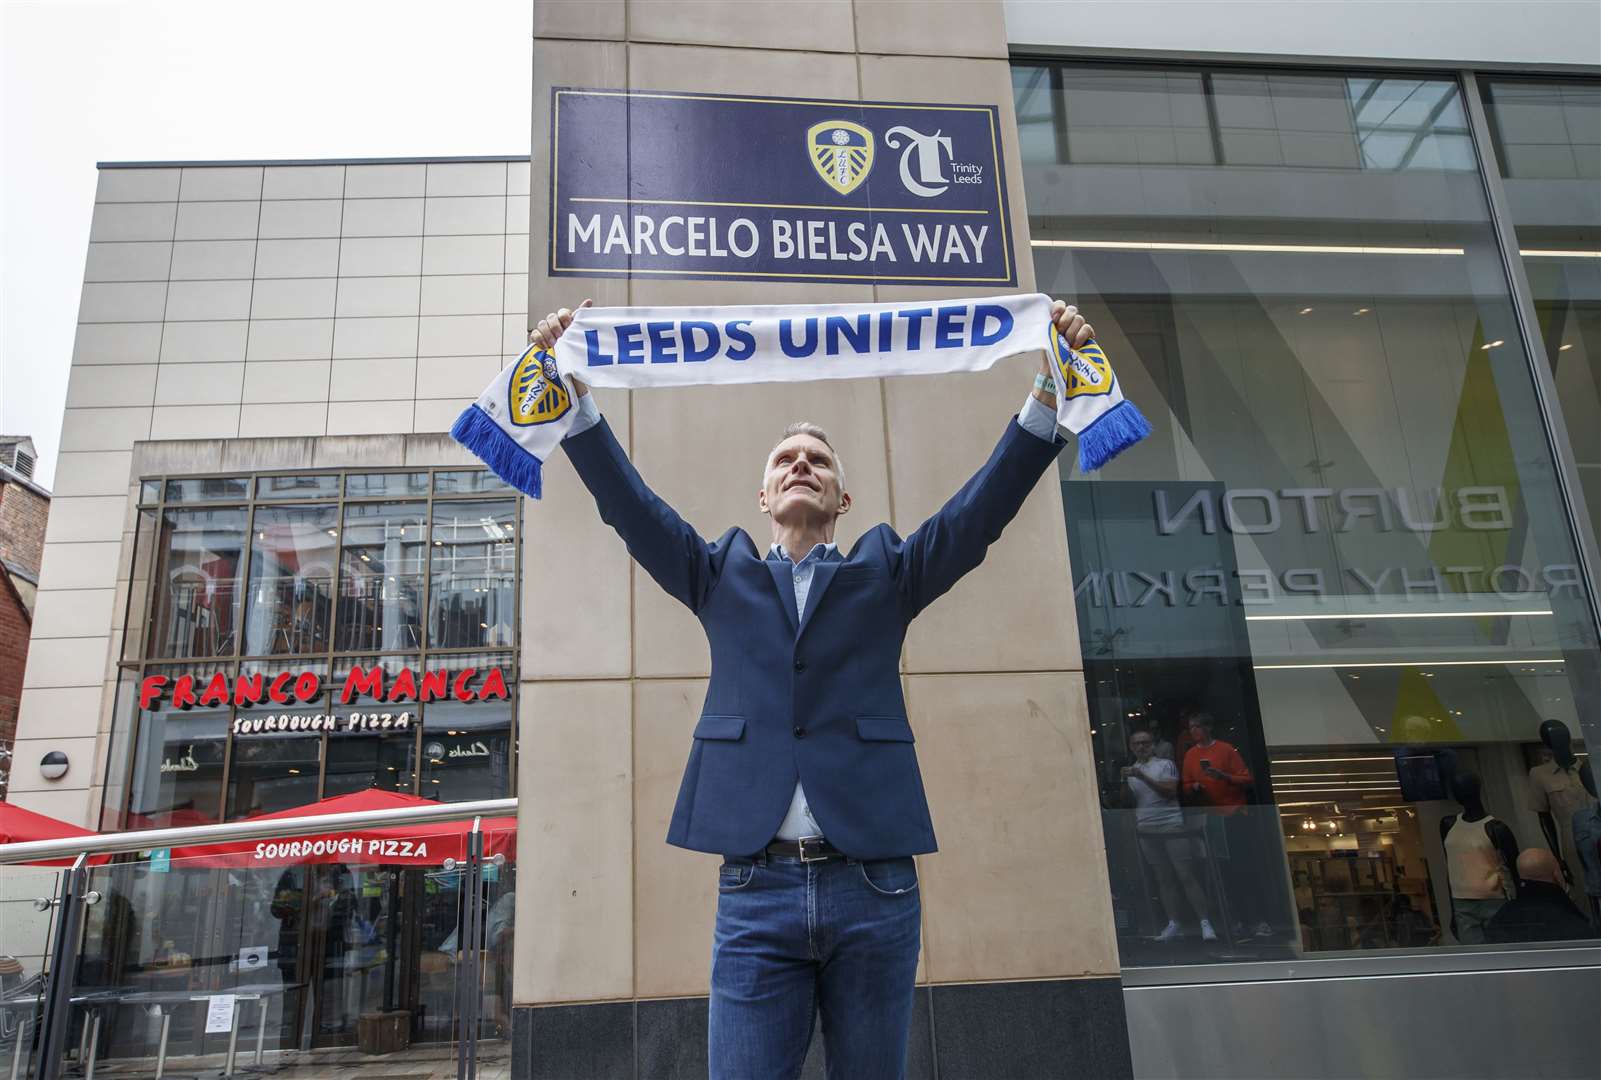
[[1559, 253], [1360, 311], [1488, 345], [1405, 663], [1355, 615], [1304, 311], [1564, 348], [1296, 249]]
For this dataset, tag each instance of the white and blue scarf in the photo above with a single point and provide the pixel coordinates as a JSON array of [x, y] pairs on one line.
[[520, 419]]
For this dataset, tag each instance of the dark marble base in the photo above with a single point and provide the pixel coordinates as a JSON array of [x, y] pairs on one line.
[[1065, 1027]]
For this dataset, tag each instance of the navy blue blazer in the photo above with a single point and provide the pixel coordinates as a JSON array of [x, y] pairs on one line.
[[816, 698]]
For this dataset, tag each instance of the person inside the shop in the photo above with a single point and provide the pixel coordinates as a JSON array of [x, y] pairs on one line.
[[1151, 786], [1217, 778], [1542, 910], [802, 772]]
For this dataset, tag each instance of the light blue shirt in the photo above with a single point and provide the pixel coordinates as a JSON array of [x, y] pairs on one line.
[[798, 821], [1033, 418]]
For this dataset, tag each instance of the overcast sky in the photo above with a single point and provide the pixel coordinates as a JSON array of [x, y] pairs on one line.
[[83, 81]]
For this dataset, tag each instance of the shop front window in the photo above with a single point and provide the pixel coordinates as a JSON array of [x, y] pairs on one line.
[[337, 572], [196, 582], [178, 761], [1330, 611], [1547, 139], [467, 745]]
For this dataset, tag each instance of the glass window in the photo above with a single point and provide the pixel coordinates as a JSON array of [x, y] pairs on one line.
[[196, 582], [467, 745], [208, 489], [472, 583], [324, 584], [273, 771], [1547, 137], [276, 761], [374, 742], [291, 580], [381, 576], [390, 484], [178, 759], [468, 480], [1329, 607], [303, 486], [149, 492]]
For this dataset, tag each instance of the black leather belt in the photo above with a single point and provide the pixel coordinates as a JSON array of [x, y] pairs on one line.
[[807, 849]]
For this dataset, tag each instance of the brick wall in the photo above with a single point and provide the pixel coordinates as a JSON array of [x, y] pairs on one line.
[[22, 520], [14, 628]]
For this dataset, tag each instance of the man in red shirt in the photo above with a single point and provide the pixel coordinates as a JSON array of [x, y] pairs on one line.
[[1215, 775], [1217, 778]]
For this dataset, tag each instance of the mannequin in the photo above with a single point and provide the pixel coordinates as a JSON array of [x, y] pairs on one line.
[[1480, 852], [1557, 792]]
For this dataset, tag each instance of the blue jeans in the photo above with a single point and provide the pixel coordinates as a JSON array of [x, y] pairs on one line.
[[793, 939]]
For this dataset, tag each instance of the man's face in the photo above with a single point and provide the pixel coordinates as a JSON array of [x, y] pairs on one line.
[[802, 482], [1141, 745], [1198, 732]]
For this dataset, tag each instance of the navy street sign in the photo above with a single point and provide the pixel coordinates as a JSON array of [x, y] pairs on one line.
[[656, 184]]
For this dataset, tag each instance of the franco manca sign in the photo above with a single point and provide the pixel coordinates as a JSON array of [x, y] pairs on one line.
[[304, 688], [777, 189]]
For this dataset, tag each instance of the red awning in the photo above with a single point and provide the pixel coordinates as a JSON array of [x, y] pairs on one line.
[[18, 826], [428, 844]]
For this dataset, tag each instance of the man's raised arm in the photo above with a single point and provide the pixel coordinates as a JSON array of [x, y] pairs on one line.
[[956, 538], [661, 541]]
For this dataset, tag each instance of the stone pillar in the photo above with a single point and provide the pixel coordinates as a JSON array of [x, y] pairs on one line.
[[1019, 973]]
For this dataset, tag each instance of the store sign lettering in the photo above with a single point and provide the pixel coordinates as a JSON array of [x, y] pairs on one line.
[[299, 723], [1256, 511], [1187, 588], [343, 845], [187, 763], [285, 688]]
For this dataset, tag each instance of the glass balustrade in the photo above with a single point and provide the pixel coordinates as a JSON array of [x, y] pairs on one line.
[[297, 954]]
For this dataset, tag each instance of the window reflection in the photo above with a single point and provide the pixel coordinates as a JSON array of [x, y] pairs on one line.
[[381, 576], [1342, 547], [273, 771], [178, 759], [291, 580], [196, 582], [1547, 138], [466, 750], [472, 566]]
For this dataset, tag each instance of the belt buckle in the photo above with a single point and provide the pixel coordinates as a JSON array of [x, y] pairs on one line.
[[819, 841]]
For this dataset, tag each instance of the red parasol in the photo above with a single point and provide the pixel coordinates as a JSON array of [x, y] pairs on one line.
[[18, 826], [427, 844]]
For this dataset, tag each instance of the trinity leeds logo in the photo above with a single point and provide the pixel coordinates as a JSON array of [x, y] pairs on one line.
[[925, 151]]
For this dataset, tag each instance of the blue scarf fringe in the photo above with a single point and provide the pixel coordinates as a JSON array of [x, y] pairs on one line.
[[475, 430], [1114, 431]]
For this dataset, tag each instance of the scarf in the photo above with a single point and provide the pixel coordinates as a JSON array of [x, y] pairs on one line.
[[520, 419]]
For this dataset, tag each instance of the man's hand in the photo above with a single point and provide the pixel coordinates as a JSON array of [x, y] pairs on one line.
[[1071, 325], [550, 329]]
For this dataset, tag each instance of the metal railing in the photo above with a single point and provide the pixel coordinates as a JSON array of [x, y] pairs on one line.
[[75, 894]]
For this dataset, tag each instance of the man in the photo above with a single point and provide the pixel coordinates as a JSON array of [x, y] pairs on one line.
[[1152, 785], [1542, 910], [1216, 777], [802, 773]]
